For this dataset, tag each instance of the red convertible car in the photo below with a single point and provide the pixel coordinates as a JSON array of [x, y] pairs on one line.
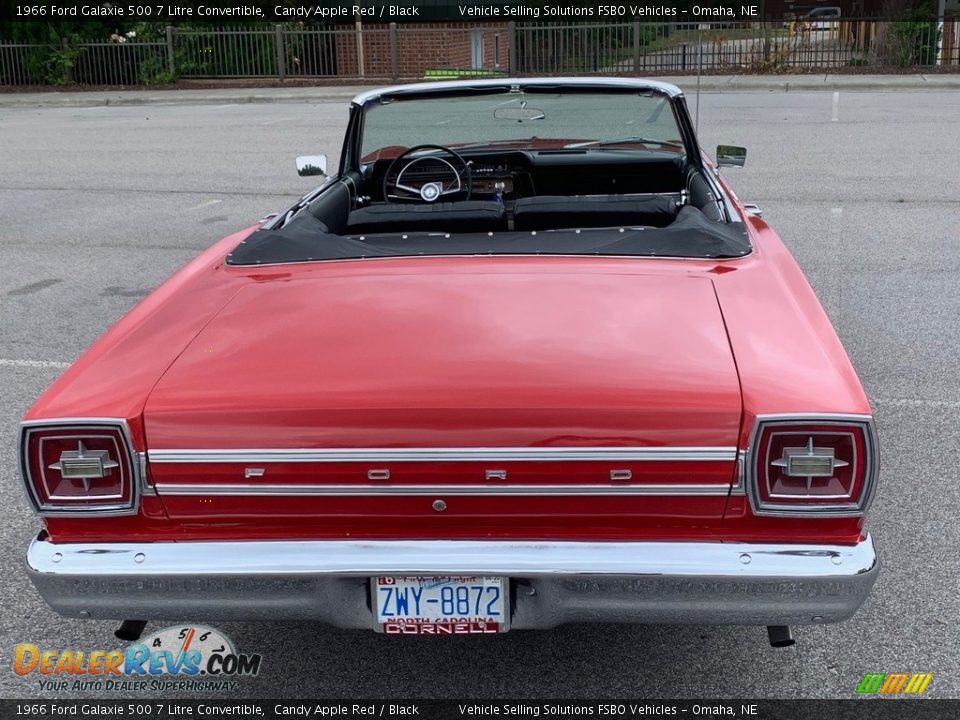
[[524, 359]]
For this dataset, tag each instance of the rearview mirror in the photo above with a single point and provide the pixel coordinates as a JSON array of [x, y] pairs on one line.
[[518, 113], [731, 156], [309, 165]]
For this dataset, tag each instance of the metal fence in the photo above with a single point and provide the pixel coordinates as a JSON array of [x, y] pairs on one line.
[[311, 53], [14, 68], [107, 63], [642, 48], [457, 49], [88, 63], [226, 53]]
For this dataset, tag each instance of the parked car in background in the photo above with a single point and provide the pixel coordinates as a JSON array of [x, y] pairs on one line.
[[523, 359], [822, 19]]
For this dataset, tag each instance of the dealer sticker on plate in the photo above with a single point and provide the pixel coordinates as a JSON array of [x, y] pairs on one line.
[[455, 605]]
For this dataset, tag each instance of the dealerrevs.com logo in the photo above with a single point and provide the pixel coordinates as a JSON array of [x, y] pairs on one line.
[[189, 657]]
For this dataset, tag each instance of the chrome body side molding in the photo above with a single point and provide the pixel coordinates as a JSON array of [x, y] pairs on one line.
[[250, 489], [507, 454]]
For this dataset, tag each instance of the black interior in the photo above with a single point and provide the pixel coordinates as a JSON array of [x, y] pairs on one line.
[[521, 201], [453, 217], [547, 212]]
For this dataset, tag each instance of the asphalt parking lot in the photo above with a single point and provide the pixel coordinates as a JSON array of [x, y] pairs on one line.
[[99, 204]]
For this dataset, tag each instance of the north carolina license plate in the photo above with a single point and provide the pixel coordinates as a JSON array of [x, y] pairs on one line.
[[456, 605]]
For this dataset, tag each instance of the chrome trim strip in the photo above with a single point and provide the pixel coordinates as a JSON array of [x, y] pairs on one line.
[[248, 489], [506, 454], [493, 84], [450, 557], [739, 486], [872, 462], [69, 421], [145, 487], [134, 467]]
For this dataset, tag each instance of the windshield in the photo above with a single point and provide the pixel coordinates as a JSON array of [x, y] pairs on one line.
[[523, 119]]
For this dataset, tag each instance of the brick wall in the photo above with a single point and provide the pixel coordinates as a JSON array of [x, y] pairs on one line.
[[421, 47]]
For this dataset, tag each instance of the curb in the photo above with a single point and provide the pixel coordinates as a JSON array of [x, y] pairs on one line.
[[128, 98], [709, 84], [874, 83]]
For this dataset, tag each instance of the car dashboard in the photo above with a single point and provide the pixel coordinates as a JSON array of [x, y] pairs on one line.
[[512, 175]]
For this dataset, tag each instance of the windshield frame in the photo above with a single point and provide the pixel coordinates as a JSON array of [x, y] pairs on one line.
[[350, 158]]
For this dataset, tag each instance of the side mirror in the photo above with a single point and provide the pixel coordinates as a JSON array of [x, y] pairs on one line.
[[309, 165], [731, 156]]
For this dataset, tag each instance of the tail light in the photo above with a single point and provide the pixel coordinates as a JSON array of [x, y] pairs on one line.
[[812, 465], [79, 467]]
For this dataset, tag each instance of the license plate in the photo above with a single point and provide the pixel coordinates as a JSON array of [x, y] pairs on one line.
[[455, 605]]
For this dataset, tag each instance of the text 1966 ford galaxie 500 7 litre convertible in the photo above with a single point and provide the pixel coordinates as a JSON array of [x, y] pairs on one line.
[[525, 359]]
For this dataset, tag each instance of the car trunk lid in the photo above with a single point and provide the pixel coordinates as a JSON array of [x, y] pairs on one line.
[[479, 395]]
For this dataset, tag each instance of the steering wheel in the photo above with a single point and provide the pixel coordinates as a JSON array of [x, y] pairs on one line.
[[459, 176]]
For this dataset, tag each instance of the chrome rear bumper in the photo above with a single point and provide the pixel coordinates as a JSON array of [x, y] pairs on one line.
[[552, 582]]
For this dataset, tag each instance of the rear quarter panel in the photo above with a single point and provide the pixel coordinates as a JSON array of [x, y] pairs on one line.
[[789, 360]]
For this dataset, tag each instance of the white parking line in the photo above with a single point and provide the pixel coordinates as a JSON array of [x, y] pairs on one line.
[[9, 362], [207, 203], [836, 106]]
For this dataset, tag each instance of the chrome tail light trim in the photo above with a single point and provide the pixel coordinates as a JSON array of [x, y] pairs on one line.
[[871, 469], [134, 467]]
